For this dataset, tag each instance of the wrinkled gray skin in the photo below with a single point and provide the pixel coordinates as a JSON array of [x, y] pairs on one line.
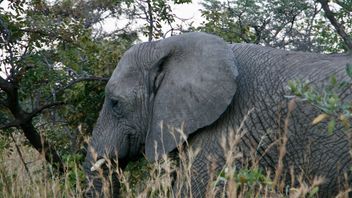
[[198, 81]]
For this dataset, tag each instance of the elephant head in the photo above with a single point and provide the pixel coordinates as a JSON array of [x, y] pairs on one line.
[[183, 81]]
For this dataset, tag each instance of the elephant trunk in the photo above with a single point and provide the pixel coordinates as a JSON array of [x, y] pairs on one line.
[[109, 139], [102, 180]]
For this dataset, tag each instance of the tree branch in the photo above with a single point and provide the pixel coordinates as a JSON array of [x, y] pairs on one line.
[[151, 22], [75, 81], [23, 121], [29, 116], [42, 108], [338, 26], [50, 34], [14, 123], [344, 5], [4, 85], [42, 146]]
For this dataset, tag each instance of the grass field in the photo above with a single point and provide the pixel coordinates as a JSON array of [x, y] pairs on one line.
[[24, 173]]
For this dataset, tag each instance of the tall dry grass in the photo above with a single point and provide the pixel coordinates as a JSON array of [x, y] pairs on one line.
[[158, 179], [24, 173]]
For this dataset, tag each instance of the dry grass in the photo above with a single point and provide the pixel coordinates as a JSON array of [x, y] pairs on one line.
[[157, 179], [34, 177]]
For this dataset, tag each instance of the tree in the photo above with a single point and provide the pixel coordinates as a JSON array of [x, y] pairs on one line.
[[55, 60], [155, 15], [346, 7], [47, 52], [299, 25]]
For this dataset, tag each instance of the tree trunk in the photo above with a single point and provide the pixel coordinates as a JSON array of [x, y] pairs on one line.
[[338, 26], [23, 120], [42, 146]]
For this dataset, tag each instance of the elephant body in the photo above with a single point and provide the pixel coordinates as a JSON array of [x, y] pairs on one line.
[[215, 90], [261, 95]]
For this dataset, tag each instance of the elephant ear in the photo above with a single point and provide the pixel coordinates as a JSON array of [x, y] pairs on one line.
[[198, 84]]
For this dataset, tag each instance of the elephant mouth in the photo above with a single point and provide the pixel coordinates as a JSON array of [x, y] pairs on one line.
[[131, 152]]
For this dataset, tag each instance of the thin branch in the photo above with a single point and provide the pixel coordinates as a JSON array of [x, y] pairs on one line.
[[116, 32], [151, 22], [338, 26], [29, 116], [42, 146], [21, 72], [288, 32], [42, 108], [259, 30], [344, 5], [311, 23], [5, 85], [14, 123], [241, 33], [90, 78], [50, 34], [6, 34]]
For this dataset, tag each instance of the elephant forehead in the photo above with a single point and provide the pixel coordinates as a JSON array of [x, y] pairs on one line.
[[125, 69], [124, 79], [121, 88]]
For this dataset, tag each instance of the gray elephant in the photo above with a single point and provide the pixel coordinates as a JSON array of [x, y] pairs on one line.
[[199, 82]]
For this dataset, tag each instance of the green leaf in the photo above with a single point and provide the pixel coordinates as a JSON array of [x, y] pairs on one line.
[[333, 80], [331, 126], [313, 192]]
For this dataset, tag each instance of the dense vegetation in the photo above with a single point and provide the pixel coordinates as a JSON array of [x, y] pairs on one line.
[[56, 57]]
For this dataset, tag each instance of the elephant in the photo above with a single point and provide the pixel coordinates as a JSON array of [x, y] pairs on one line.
[[209, 87]]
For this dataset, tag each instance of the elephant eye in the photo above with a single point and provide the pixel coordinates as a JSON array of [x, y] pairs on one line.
[[116, 106], [114, 103]]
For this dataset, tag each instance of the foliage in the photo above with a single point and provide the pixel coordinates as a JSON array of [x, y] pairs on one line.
[[75, 176], [329, 99], [251, 178], [218, 16], [48, 53], [57, 57], [298, 25], [137, 176], [156, 16]]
